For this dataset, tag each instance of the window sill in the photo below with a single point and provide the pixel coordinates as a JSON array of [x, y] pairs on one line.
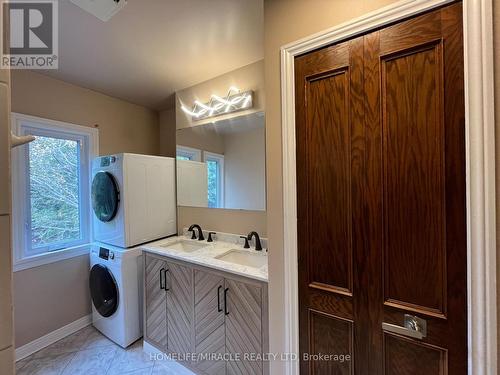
[[52, 257]]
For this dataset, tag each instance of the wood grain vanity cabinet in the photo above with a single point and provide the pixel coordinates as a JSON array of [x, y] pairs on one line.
[[155, 328], [219, 316], [168, 295], [209, 320]]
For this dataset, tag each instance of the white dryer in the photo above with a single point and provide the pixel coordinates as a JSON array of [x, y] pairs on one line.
[[116, 290], [133, 198]]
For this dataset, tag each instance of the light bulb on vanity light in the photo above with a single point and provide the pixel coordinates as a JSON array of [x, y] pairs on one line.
[[218, 105]]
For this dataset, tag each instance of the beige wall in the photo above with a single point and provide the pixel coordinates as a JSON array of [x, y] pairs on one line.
[[496, 21], [49, 297], [123, 126], [167, 133], [40, 293], [284, 22], [6, 324]]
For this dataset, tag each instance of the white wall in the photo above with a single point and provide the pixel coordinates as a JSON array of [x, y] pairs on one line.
[[245, 163]]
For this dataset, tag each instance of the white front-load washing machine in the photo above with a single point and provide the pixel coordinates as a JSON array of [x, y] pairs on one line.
[[133, 198], [116, 290]]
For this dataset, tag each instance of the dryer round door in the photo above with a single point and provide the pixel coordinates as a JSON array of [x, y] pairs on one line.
[[105, 196], [103, 290]]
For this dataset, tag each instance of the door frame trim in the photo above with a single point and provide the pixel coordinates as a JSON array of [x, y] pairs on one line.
[[480, 170]]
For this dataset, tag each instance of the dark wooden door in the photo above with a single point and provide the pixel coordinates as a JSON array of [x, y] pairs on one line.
[[381, 200], [328, 92]]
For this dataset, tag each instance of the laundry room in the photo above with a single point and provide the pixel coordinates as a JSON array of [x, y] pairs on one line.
[[118, 159]]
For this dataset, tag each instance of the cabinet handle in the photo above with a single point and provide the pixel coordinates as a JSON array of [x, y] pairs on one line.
[[218, 298], [162, 284], [165, 272], [225, 301]]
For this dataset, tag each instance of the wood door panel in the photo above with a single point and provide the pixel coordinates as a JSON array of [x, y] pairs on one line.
[[411, 33], [369, 293], [322, 300], [209, 321], [405, 357], [414, 179], [439, 293], [328, 60], [179, 308], [329, 96], [156, 303], [329, 156], [330, 335]]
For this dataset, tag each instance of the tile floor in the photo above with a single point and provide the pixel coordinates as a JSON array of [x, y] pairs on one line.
[[89, 352]]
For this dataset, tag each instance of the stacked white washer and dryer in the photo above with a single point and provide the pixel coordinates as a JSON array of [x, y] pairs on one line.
[[133, 198]]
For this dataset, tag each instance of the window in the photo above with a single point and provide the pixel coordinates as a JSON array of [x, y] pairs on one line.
[[51, 177], [188, 153], [215, 169]]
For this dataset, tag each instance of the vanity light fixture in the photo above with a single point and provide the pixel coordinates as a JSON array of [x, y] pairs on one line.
[[234, 101]]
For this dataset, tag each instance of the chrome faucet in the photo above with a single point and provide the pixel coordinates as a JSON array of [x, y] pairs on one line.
[[258, 245], [200, 232]]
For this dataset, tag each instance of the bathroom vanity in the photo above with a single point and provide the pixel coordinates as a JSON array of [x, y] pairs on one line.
[[206, 304]]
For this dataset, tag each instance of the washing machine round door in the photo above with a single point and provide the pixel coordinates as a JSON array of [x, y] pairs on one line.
[[103, 290], [105, 196]]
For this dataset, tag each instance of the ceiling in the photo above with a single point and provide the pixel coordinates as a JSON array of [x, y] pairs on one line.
[[152, 48]]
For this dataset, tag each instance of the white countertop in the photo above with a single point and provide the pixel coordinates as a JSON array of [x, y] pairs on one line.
[[206, 256]]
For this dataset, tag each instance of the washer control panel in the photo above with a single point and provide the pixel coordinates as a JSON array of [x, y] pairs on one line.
[[106, 254]]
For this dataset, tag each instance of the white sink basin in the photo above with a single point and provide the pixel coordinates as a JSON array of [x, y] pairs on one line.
[[185, 246], [244, 258]]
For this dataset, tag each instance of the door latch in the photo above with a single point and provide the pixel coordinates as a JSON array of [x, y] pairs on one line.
[[414, 327]]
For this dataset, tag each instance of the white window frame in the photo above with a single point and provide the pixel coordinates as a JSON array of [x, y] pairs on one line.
[[21, 125], [220, 159], [191, 153]]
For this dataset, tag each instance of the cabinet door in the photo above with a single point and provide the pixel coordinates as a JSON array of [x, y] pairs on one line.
[[156, 307], [243, 309], [209, 321], [179, 308]]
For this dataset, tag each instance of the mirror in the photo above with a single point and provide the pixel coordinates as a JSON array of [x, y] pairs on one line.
[[223, 164]]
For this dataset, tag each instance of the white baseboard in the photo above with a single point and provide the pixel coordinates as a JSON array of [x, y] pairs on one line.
[[50, 338]]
